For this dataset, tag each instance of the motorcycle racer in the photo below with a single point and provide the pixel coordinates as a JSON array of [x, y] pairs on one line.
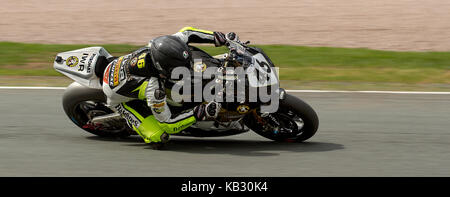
[[142, 76]]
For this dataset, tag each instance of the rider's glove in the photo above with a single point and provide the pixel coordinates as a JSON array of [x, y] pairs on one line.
[[207, 111], [219, 39]]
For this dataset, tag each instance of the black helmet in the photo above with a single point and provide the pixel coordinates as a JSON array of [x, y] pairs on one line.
[[169, 52]]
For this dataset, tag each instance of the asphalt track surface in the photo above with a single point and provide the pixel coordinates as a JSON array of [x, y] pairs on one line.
[[360, 134]]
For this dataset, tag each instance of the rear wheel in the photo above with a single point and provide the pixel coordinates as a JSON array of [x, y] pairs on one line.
[[295, 121], [81, 104]]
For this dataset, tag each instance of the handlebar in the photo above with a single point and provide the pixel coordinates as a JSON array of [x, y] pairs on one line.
[[237, 51]]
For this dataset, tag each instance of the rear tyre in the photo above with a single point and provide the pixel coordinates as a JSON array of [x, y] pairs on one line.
[[81, 104]]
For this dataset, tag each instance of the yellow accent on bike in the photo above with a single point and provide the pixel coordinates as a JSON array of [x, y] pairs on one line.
[[141, 63], [142, 55], [197, 30], [141, 89], [149, 128]]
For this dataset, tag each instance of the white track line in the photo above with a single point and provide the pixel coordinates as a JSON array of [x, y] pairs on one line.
[[34, 88], [295, 91]]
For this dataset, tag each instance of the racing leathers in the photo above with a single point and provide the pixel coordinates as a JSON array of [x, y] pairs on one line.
[[136, 90]]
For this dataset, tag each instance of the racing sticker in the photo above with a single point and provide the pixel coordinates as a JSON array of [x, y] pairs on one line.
[[83, 61], [158, 107], [90, 62], [72, 61], [242, 109], [199, 67], [122, 73], [106, 75], [130, 117], [158, 110], [111, 74], [185, 54], [133, 62], [114, 76], [141, 61]]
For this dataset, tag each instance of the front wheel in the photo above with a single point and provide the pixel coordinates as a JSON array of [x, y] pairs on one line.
[[295, 121]]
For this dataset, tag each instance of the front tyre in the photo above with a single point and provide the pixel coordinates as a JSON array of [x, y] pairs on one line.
[[295, 120]]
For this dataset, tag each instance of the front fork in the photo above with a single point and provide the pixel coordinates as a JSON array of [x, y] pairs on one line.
[[269, 121]]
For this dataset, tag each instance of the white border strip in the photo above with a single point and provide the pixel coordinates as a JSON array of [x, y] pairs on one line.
[[295, 91], [372, 92], [34, 88]]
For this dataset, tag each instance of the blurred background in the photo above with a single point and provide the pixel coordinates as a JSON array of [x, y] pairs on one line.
[[384, 24], [307, 39]]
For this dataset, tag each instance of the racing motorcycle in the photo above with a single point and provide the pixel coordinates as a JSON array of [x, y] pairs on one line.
[[85, 103]]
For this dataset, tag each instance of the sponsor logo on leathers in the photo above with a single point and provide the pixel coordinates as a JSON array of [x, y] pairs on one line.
[[116, 72], [131, 119]]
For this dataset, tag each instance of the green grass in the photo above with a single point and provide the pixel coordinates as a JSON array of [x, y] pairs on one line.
[[37, 59], [359, 65], [298, 63]]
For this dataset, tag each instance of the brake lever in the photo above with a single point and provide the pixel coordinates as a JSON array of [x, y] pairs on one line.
[[233, 53]]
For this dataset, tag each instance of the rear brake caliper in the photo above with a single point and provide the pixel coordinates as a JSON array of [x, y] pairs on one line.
[[93, 126]]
